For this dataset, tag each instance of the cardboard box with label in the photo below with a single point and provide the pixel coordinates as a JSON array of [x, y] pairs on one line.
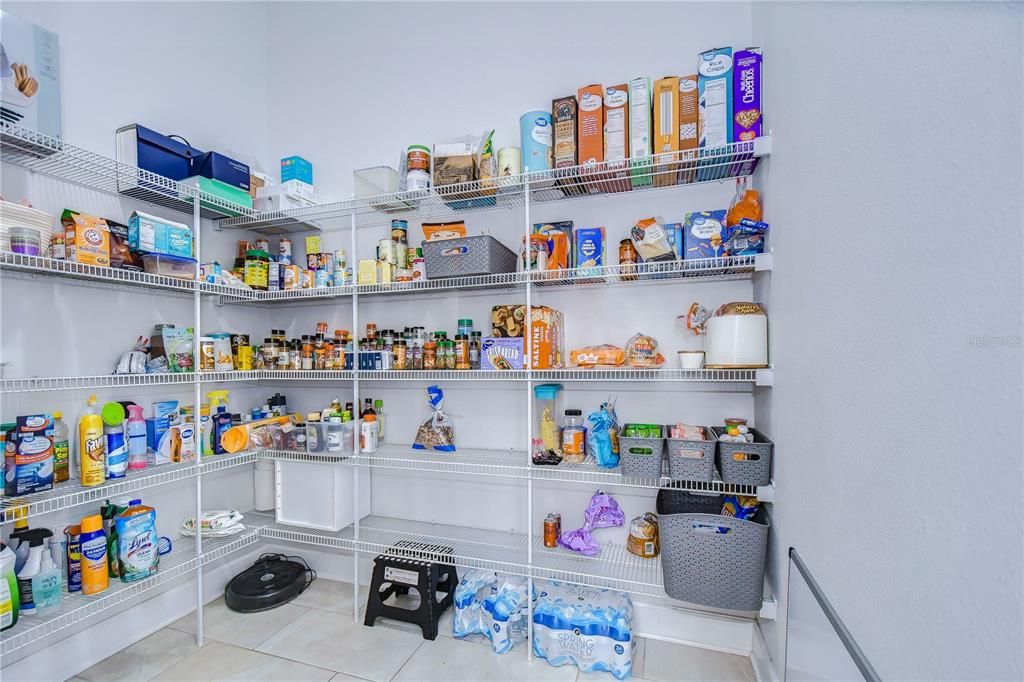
[[86, 238], [616, 136], [547, 342], [640, 131], [590, 135], [151, 234], [714, 86], [31, 86], [666, 130], [689, 115], [563, 116]]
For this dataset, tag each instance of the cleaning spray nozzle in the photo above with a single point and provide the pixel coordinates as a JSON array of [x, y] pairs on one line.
[[216, 398]]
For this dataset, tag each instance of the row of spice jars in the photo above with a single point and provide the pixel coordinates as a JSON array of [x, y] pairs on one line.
[[312, 351], [412, 349]]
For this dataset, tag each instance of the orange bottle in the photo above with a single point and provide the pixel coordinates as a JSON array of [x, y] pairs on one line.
[[748, 206]]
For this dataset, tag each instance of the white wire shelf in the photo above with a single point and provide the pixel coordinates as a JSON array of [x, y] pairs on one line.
[[54, 157], [744, 377], [663, 171], [303, 456], [180, 562], [36, 384], [72, 493], [49, 267]]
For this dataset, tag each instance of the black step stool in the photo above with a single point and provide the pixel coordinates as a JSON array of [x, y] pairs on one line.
[[412, 565]]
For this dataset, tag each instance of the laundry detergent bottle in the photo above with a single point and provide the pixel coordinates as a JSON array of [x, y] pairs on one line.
[[95, 578], [92, 446], [9, 603]]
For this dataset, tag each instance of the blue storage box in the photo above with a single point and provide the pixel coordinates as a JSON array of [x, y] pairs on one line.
[[296, 168], [150, 234], [156, 153], [219, 167]]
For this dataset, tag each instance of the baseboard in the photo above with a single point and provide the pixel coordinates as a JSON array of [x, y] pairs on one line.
[[761, 659]]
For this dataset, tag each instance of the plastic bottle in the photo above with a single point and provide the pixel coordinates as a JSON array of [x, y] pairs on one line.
[[47, 584], [20, 528], [220, 419], [378, 407], [368, 434], [117, 445], [94, 556], [61, 449], [316, 439], [92, 446], [137, 458], [205, 424], [9, 602], [574, 436], [33, 565], [334, 434]]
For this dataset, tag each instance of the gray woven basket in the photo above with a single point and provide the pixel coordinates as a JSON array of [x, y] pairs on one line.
[[691, 460], [746, 471], [704, 566], [641, 457], [467, 257]]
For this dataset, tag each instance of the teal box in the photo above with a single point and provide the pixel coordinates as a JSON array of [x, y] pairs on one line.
[[296, 168], [150, 234]]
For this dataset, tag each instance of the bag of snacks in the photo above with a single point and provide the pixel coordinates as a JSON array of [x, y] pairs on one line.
[[437, 432], [605, 355], [178, 347], [603, 436], [642, 351]]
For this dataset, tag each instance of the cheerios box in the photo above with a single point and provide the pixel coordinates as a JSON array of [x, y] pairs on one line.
[[86, 238], [748, 117]]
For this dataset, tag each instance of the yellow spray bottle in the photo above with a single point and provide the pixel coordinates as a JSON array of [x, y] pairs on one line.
[[92, 446], [220, 419]]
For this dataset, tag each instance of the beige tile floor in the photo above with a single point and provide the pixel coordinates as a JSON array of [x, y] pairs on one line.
[[314, 638]]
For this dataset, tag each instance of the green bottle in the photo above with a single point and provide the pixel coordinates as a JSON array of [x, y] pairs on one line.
[[9, 603]]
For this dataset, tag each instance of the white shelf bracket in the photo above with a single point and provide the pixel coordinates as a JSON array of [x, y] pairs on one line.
[[763, 146], [765, 377], [763, 262]]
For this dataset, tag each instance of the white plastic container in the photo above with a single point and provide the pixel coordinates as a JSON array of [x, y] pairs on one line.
[[736, 341], [375, 180], [319, 494]]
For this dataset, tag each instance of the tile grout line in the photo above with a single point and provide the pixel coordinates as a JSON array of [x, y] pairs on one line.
[[406, 661]]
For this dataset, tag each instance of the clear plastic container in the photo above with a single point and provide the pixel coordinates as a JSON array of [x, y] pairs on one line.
[[574, 437], [171, 266], [546, 410], [375, 180]]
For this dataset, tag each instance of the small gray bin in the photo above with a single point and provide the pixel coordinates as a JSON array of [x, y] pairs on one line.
[[467, 257], [691, 460], [704, 565], [756, 469], [641, 457]]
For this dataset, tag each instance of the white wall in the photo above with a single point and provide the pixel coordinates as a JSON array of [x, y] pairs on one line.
[[895, 187]]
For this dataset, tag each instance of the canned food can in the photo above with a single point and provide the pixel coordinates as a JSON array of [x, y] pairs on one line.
[[284, 250], [535, 140], [386, 251], [320, 279], [206, 354], [263, 245], [552, 529], [307, 279], [510, 163], [340, 260]]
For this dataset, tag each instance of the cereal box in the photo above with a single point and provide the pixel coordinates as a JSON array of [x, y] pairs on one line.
[[688, 124], [714, 87], [746, 99], [666, 130], [590, 132], [498, 353], [640, 130], [590, 251], [704, 234], [86, 238], [563, 118], [616, 134]]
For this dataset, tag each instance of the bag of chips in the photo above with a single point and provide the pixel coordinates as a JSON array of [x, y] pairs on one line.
[[437, 432]]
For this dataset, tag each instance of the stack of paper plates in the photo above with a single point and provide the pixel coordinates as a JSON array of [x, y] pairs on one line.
[[16, 215]]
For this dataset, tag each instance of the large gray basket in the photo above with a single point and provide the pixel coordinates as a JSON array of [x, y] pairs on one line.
[[691, 460], [702, 565], [641, 457], [467, 257], [754, 471]]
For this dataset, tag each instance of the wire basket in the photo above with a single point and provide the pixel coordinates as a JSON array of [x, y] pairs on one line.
[[691, 460], [745, 463]]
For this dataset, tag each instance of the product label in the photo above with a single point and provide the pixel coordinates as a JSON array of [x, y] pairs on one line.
[[572, 442], [25, 593], [61, 451], [6, 605], [400, 576]]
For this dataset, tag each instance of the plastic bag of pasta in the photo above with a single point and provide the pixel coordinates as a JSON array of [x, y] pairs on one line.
[[437, 432]]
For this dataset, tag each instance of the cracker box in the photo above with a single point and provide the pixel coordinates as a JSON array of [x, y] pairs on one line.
[[590, 134], [689, 122], [563, 120], [714, 88], [747, 119], [547, 347], [666, 130], [589, 255], [640, 131], [497, 353], [616, 135], [703, 234], [86, 238]]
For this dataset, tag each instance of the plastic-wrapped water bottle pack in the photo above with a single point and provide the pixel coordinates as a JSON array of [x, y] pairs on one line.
[[493, 605]]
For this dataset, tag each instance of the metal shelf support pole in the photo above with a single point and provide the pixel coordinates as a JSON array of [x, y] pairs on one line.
[[358, 422], [197, 389]]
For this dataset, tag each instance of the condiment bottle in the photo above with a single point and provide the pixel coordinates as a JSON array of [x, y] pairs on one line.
[[461, 351], [430, 355]]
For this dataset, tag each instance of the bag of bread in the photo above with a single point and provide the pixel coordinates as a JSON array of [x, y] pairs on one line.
[[604, 355], [642, 352]]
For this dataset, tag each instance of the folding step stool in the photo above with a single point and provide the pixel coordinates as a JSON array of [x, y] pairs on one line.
[[412, 565]]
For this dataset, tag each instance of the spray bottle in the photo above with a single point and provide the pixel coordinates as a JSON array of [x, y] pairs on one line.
[[117, 445], [20, 528], [92, 446], [220, 418], [33, 566], [137, 451]]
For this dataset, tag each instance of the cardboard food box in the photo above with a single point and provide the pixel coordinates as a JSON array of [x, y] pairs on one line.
[[121, 255], [640, 131], [746, 95], [666, 130], [150, 234], [29, 455], [563, 118], [454, 164], [497, 354], [714, 86], [703, 234], [590, 252], [86, 238], [296, 168], [616, 135], [559, 242], [547, 343], [31, 86], [590, 135], [689, 121]]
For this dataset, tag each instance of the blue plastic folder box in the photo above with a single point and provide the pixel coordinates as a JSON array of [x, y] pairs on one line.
[[219, 167], [150, 234], [296, 168]]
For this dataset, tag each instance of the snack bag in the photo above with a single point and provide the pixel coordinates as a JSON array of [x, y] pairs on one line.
[[602, 438], [178, 347], [437, 432], [642, 351]]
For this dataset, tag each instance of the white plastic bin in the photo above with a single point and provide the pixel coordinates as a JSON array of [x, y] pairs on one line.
[[319, 494]]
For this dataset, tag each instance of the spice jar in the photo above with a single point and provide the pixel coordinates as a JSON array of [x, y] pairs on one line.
[[319, 358], [627, 260], [475, 343], [430, 355], [269, 354], [461, 351], [307, 352], [256, 270], [371, 332], [449, 355], [401, 354], [295, 355]]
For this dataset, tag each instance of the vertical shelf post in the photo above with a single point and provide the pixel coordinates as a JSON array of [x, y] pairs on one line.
[[197, 387], [528, 358], [353, 258]]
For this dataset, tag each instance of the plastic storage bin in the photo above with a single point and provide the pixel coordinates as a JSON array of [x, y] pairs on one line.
[[171, 266], [641, 457], [691, 460], [319, 494], [755, 469], [467, 257], [710, 559]]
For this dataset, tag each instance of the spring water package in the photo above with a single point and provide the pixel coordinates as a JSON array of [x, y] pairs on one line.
[[504, 612], [475, 586], [585, 626]]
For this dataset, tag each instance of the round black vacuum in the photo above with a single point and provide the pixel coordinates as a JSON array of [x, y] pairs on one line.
[[273, 580]]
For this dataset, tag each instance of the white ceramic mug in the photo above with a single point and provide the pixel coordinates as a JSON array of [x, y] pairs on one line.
[[691, 359]]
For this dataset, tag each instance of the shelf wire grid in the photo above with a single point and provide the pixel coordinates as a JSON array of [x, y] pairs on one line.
[[54, 157], [72, 493], [662, 171], [75, 607], [49, 267]]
